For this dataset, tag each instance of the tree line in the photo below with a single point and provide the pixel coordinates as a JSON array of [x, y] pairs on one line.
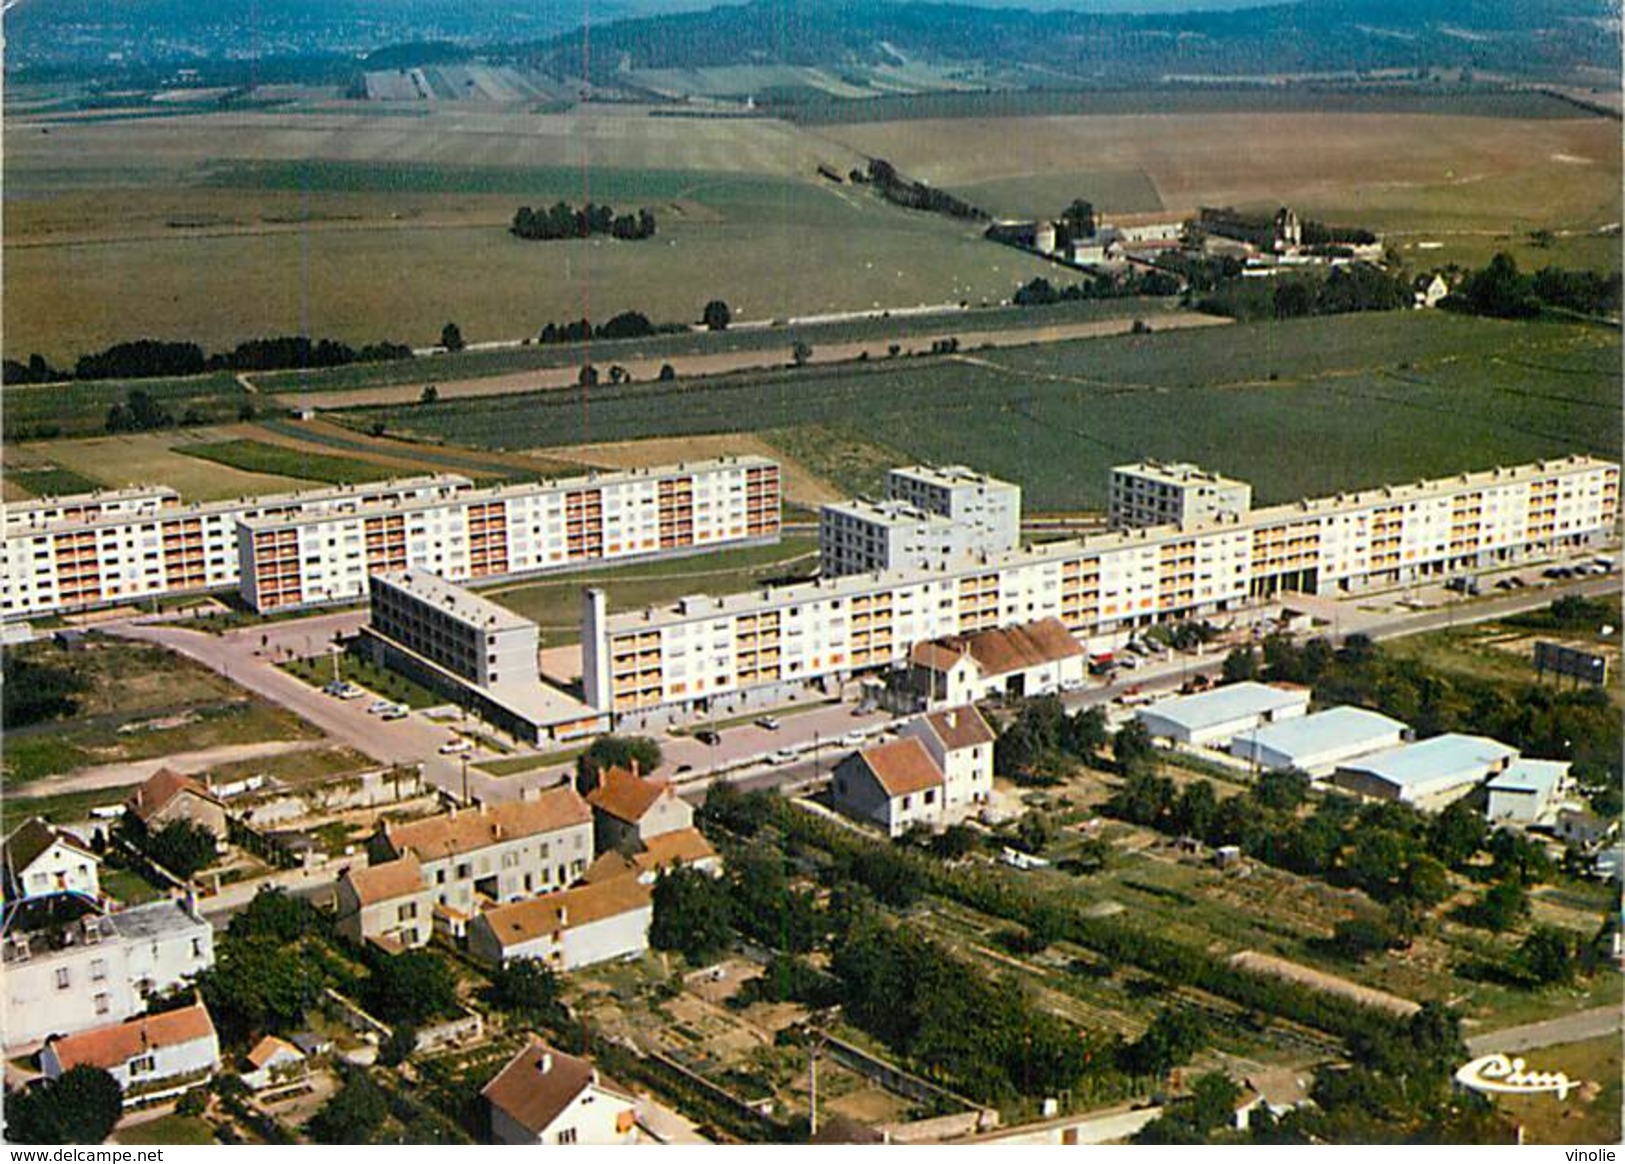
[[1500, 289], [144, 358], [561, 221], [1040, 292], [1350, 288], [912, 195]]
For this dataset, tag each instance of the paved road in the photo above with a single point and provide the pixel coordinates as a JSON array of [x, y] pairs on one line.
[[1586, 1024]]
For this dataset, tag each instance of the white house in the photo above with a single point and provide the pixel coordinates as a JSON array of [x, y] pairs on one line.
[[1318, 743], [1429, 774], [150, 1056], [1527, 792], [1583, 828], [1035, 658], [1215, 717], [1430, 290], [961, 745], [544, 1096], [274, 1062], [570, 929], [895, 785], [39, 860]]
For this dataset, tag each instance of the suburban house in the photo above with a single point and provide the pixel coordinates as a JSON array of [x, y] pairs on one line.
[[961, 746], [544, 1096], [1316, 744], [493, 854], [1035, 658], [895, 785], [569, 929], [1583, 828], [388, 903], [1429, 774], [99, 968], [628, 809], [168, 796], [1214, 718], [274, 1062], [151, 1056], [39, 860], [1527, 793], [1277, 1092], [686, 848]]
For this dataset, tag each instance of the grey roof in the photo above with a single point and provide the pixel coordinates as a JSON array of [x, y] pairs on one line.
[[1538, 776], [156, 919], [1225, 704], [1440, 762], [1337, 729]]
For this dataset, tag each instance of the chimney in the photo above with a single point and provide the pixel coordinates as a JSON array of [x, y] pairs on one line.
[[953, 719], [635, 766], [546, 1063]]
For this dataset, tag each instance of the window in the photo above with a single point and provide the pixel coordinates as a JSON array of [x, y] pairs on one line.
[[62, 981], [407, 912], [98, 970], [102, 1004], [197, 947], [141, 1066], [567, 1136]]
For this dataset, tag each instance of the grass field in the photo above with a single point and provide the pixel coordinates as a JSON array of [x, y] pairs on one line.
[[1379, 399], [169, 1129], [80, 408], [1589, 1115], [52, 481], [149, 459], [259, 457]]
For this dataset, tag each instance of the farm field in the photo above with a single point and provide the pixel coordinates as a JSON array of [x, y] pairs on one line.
[[151, 459], [258, 457], [1382, 398]]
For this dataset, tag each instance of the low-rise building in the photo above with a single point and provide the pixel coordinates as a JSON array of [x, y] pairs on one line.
[[630, 810], [1214, 718], [1035, 658], [168, 796], [895, 785], [544, 1096], [151, 1057], [39, 860], [1583, 828], [1316, 744], [1429, 774], [570, 929], [387, 903], [274, 1062], [961, 746], [1527, 792], [99, 969]]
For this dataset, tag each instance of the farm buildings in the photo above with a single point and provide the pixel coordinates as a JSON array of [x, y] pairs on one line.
[[744, 650]]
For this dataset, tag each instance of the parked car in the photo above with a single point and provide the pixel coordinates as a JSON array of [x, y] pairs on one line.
[[379, 706], [455, 747], [781, 756], [708, 737], [343, 690], [681, 768], [768, 723], [395, 711]]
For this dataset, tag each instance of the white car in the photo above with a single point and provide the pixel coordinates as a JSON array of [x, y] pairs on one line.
[[379, 706], [395, 711], [853, 739], [781, 756], [455, 747]]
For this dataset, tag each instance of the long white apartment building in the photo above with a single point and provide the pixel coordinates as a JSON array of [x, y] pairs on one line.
[[714, 653], [289, 561], [96, 549], [1150, 493]]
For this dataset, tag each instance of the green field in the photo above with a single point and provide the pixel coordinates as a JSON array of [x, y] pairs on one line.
[[54, 481], [259, 457], [79, 408], [1378, 399]]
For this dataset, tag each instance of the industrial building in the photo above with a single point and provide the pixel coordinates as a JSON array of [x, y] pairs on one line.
[[1214, 718], [1528, 792], [746, 650], [1316, 744], [1429, 774], [289, 561], [1152, 493], [94, 549]]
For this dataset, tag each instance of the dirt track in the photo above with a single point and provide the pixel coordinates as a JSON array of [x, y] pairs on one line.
[[1330, 983]]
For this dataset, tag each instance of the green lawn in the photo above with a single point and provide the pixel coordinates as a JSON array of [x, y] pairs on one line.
[[517, 764], [1379, 398], [69, 807], [79, 408], [318, 672], [53, 482], [128, 886], [259, 457], [170, 1129]]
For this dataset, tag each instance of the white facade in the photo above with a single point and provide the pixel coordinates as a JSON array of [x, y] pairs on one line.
[[80, 507], [961, 746], [150, 549], [1151, 493], [987, 508], [41, 861], [113, 964], [1316, 744], [144, 1062], [1527, 792], [1430, 773], [288, 562], [859, 537], [570, 929], [644, 665], [544, 1096], [486, 644], [1218, 716]]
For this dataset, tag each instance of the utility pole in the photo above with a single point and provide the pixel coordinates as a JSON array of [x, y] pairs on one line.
[[464, 758]]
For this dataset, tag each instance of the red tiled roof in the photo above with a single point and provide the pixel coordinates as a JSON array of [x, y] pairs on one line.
[[390, 879], [960, 727], [683, 847], [162, 787], [902, 766], [999, 652], [449, 836], [625, 796], [525, 921], [267, 1049], [108, 1047], [533, 1097]]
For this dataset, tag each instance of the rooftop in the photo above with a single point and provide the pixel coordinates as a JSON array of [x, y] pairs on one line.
[[1003, 650], [626, 795], [269, 1047], [1525, 775], [1175, 473], [156, 919], [1439, 761], [681, 847], [885, 512], [1226, 704], [112, 1046], [540, 1082], [525, 921], [902, 766], [959, 727], [162, 787], [458, 601], [386, 880], [1338, 727], [457, 832], [32, 838], [949, 475], [94, 497]]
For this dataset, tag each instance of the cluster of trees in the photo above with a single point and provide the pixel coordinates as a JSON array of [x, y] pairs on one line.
[[147, 357], [140, 412], [271, 966], [1040, 292], [1043, 742], [1501, 289], [1259, 229], [1355, 287], [626, 325], [81, 1106], [561, 220], [619, 752], [37, 690], [915, 195]]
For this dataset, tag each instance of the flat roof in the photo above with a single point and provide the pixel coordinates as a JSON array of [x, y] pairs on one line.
[[888, 512], [1068, 548], [950, 475], [1525, 775], [126, 493], [1225, 704], [534, 488], [1335, 728], [458, 601], [1436, 762], [1176, 473], [155, 919]]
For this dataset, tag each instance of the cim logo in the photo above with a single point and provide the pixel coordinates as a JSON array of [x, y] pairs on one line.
[[1498, 1073]]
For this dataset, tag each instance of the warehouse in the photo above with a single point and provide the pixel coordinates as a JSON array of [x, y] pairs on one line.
[[1215, 717], [1318, 743], [1430, 774], [1527, 792]]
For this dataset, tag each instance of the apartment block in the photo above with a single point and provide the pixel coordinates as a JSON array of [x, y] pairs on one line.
[[80, 507], [988, 509], [862, 536], [1153, 493], [486, 644], [143, 545], [289, 561], [740, 650]]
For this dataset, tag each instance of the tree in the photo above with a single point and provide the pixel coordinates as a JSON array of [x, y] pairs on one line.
[[716, 316], [1503, 906], [255, 984], [410, 987], [278, 914], [1083, 733], [1171, 1039], [800, 352], [1192, 813], [955, 842], [81, 1106], [1132, 747], [354, 1113], [1426, 881], [1457, 833], [1547, 955], [1240, 664], [1283, 789], [692, 915], [1358, 937], [451, 338], [182, 846], [429, 395], [628, 752], [667, 373], [529, 990]]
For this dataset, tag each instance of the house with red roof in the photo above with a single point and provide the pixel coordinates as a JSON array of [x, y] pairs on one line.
[[168, 796], [151, 1056], [544, 1096]]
